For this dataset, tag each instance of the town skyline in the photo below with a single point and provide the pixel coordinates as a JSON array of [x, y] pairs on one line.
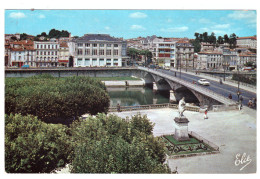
[[133, 23]]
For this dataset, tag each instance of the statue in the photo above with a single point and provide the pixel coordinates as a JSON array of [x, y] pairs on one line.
[[181, 107]]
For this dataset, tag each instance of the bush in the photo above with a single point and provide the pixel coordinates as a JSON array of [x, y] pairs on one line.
[[32, 146], [55, 100], [109, 144]]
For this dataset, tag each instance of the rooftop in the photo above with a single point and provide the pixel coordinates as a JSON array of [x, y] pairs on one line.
[[98, 37], [250, 37]]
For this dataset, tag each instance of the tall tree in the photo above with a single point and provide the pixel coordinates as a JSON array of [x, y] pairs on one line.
[[226, 39], [196, 35], [205, 37]]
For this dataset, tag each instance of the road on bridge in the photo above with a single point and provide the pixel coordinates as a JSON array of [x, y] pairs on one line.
[[216, 87]]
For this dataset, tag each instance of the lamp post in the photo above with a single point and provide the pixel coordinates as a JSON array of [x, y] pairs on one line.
[[224, 66], [186, 62]]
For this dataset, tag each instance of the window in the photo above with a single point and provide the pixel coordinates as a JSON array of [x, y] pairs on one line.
[[37, 52], [94, 45], [79, 51], [37, 46], [115, 45], [48, 46], [101, 45], [56, 53], [80, 44], [44, 52], [45, 46], [94, 52], [48, 52], [108, 45], [87, 45], [101, 52], [115, 52], [108, 52], [87, 52]]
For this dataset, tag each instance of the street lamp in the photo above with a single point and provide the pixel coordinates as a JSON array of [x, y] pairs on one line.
[[186, 62]]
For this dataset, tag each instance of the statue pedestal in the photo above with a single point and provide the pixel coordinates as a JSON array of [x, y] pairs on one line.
[[181, 129]]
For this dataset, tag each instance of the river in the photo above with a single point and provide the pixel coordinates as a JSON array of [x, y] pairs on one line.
[[133, 96]]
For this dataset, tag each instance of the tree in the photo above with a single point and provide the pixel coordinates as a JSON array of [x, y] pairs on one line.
[[220, 40], [212, 38], [196, 44], [109, 144], [32, 146], [55, 100], [23, 36], [44, 34], [232, 40], [133, 53], [226, 39], [13, 38], [196, 35], [205, 37], [36, 39]]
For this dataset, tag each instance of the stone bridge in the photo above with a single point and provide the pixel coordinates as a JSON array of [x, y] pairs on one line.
[[163, 81]]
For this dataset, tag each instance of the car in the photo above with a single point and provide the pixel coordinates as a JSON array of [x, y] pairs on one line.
[[203, 82]]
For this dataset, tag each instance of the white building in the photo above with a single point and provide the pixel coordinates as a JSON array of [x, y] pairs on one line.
[[249, 42], [165, 50], [47, 53], [94, 50], [209, 60]]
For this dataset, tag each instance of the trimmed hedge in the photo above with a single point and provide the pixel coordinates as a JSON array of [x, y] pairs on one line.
[[55, 100]]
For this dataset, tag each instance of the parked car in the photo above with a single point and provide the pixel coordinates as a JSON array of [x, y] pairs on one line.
[[203, 82]]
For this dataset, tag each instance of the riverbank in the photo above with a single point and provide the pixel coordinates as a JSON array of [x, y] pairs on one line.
[[125, 83]]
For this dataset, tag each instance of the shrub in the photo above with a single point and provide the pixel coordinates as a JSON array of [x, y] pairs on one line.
[[33, 146], [55, 100], [109, 144]]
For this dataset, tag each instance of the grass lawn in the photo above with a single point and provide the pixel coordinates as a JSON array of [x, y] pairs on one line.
[[175, 142]]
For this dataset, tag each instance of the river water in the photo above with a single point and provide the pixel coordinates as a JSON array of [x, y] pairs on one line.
[[133, 96]]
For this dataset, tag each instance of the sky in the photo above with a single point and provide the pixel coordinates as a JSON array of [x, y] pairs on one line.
[[133, 23]]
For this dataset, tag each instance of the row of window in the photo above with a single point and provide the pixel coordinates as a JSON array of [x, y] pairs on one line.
[[47, 59], [47, 53], [96, 52], [95, 45], [47, 46]]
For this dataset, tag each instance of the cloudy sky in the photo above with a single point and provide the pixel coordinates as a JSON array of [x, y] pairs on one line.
[[133, 23]]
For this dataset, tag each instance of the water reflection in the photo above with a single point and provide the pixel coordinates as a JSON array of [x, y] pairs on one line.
[[134, 96]]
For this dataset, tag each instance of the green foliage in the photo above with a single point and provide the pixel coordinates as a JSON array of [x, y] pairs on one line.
[[196, 44], [57, 34], [244, 79], [55, 100], [32, 146], [109, 144]]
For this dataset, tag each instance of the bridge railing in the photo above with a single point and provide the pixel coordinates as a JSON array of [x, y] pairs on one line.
[[195, 87], [153, 106]]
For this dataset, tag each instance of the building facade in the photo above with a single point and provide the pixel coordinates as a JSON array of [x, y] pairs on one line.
[[164, 55], [209, 60], [94, 50], [249, 42], [47, 53], [64, 55], [184, 54]]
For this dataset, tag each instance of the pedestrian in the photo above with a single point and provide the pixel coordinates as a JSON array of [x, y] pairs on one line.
[[220, 81], [230, 96], [240, 102], [118, 108], [205, 114], [249, 104]]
